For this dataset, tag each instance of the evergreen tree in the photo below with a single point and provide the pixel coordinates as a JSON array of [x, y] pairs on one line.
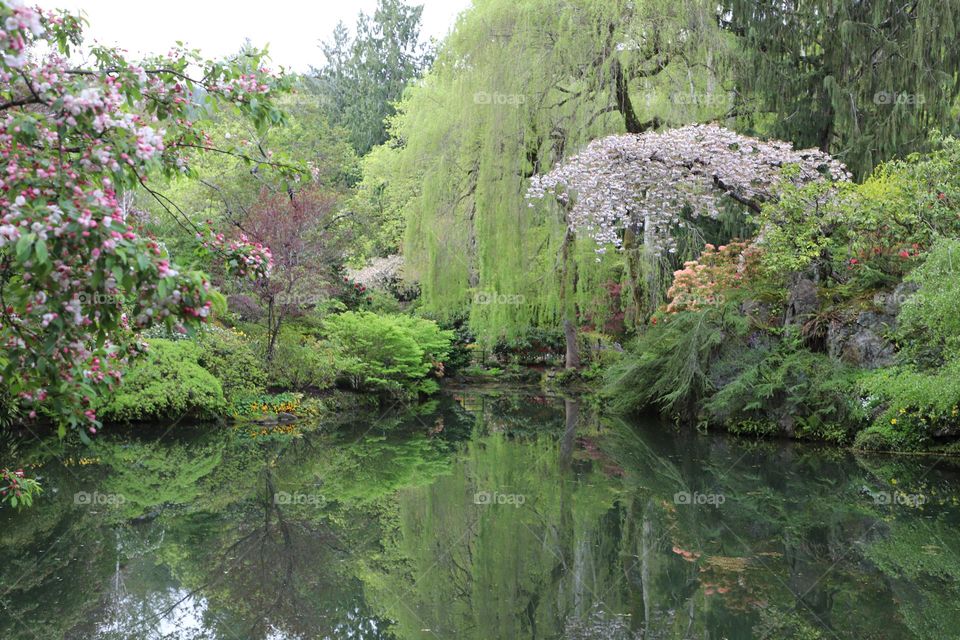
[[364, 76], [862, 79]]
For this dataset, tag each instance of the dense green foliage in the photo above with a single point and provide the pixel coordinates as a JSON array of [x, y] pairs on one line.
[[167, 383], [670, 365], [786, 388], [389, 353], [844, 317], [929, 322], [228, 357], [865, 81]]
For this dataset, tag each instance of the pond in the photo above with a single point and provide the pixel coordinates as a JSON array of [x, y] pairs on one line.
[[489, 515]]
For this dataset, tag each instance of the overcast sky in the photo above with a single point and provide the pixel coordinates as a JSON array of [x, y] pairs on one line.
[[218, 27]]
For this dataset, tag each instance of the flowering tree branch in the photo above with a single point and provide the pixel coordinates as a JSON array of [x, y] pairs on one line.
[[647, 180], [77, 279]]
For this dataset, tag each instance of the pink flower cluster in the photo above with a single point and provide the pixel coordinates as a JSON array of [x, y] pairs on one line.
[[71, 142], [20, 26], [244, 258]]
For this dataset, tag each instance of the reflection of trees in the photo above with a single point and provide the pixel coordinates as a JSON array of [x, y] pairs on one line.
[[598, 548], [917, 549], [467, 570], [794, 535], [54, 561], [149, 476], [271, 567]]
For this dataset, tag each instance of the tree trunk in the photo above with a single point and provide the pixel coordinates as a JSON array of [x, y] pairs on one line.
[[274, 319], [567, 274], [573, 349]]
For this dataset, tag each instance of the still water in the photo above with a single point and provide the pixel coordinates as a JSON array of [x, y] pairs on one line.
[[482, 516]]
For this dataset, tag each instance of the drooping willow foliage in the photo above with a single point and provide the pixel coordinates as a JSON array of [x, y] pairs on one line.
[[864, 81], [518, 86]]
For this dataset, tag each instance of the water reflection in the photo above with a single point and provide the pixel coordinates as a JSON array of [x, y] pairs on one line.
[[484, 516]]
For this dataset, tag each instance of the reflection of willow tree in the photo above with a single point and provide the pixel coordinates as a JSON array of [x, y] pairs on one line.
[[668, 605], [455, 568]]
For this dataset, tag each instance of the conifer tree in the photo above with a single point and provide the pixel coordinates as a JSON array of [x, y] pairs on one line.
[[864, 81]]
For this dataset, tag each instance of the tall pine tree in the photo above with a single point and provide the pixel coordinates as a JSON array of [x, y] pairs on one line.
[[365, 75]]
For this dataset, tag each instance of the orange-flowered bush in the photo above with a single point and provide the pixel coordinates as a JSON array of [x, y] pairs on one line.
[[707, 280]]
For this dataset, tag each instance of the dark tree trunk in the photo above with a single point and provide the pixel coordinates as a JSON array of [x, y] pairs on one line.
[[568, 279], [573, 349]]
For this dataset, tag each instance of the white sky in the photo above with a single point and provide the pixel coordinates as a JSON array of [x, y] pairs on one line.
[[292, 28]]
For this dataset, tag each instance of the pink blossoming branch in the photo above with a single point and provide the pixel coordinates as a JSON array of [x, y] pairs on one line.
[[78, 280]]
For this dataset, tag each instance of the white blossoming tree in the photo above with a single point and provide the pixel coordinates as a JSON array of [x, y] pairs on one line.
[[644, 183], [385, 274], [646, 180]]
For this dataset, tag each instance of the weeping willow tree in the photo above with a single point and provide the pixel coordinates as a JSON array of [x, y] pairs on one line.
[[518, 86], [862, 80]]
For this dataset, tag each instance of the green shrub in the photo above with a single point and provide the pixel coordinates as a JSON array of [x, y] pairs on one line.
[[667, 366], [302, 362], [388, 352], [880, 437], [479, 371], [911, 407], [166, 382], [788, 384], [227, 355], [929, 322], [534, 345], [758, 428], [463, 345]]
